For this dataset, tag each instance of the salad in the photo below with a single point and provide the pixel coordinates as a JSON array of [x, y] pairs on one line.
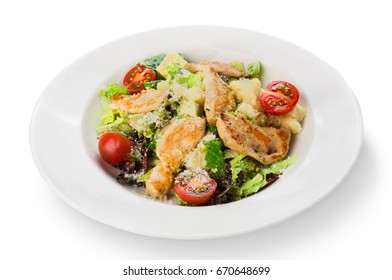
[[203, 133]]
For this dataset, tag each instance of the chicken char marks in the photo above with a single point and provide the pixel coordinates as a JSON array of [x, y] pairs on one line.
[[219, 97], [178, 139], [264, 144]]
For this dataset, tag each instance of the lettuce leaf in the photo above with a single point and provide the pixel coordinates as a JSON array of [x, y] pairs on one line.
[[112, 120], [152, 84], [252, 185], [279, 166], [241, 164], [144, 177], [147, 124], [154, 61], [255, 69], [214, 156], [111, 90], [180, 75]]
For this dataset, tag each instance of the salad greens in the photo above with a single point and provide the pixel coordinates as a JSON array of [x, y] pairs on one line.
[[255, 69], [252, 175], [214, 156], [144, 177], [111, 90], [148, 124], [252, 185], [113, 120], [279, 166], [237, 175], [154, 61], [180, 75], [242, 164], [152, 84]]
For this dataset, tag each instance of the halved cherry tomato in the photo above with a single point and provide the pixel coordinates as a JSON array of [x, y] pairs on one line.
[[114, 147], [280, 98], [195, 187], [137, 76]]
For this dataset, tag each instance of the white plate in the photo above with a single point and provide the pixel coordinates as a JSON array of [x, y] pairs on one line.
[[64, 145]]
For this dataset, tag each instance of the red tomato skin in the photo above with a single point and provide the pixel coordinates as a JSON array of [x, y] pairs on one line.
[[280, 98], [192, 198], [114, 147], [137, 76]]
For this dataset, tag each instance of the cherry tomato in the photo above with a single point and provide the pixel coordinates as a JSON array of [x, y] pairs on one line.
[[137, 76], [114, 147], [195, 187], [280, 98]]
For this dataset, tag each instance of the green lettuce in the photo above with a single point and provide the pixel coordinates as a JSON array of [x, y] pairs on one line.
[[252, 185], [279, 166], [176, 70], [214, 156], [148, 124], [180, 75], [111, 90], [152, 84], [255, 69], [241, 164], [153, 62], [144, 177], [112, 120]]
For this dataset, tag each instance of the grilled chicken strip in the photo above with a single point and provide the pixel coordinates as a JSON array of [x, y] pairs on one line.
[[264, 144], [178, 139], [224, 69], [160, 181], [218, 95], [145, 101]]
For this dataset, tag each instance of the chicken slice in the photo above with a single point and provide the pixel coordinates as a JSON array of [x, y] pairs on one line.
[[178, 139], [160, 181], [145, 101], [264, 144], [218, 95], [224, 69]]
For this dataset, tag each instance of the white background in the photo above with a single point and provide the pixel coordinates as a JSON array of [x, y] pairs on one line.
[[39, 38]]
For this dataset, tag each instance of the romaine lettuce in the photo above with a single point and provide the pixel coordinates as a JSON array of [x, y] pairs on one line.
[[152, 84], [180, 75], [144, 177], [154, 61], [241, 164], [252, 185], [279, 166], [112, 120], [111, 90], [214, 156]]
